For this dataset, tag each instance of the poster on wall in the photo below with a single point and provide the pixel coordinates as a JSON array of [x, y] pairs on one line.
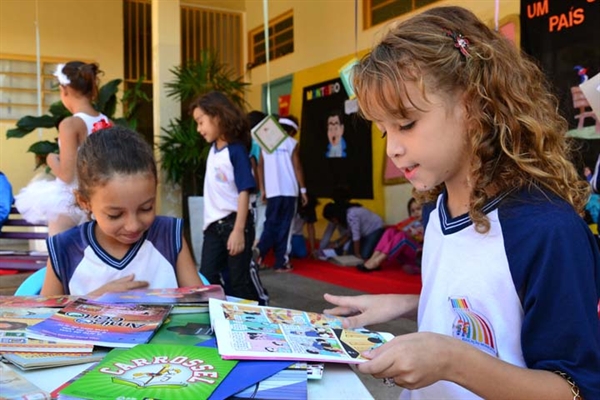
[[335, 147], [563, 36]]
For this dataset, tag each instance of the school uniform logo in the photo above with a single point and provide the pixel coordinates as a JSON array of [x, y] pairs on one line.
[[471, 327]]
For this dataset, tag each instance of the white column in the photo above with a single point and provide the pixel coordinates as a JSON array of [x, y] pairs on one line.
[[166, 53]]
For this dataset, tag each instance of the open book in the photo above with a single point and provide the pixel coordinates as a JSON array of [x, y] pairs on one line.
[[270, 333]]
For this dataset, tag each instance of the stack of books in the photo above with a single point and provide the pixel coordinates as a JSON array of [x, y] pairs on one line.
[[144, 350]]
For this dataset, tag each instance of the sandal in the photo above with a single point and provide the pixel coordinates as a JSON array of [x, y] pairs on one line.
[[286, 268]]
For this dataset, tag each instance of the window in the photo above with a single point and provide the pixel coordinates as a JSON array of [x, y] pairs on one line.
[[19, 86], [137, 56], [201, 29], [217, 31], [281, 40], [378, 11]]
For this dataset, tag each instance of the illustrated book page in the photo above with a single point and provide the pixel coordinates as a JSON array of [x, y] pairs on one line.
[[14, 386], [153, 371], [102, 324], [269, 333], [13, 336]]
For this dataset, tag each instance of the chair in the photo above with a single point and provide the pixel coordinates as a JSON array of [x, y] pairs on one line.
[[33, 284]]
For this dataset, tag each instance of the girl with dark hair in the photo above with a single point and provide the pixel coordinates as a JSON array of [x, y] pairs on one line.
[[125, 245], [228, 220], [52, 202]]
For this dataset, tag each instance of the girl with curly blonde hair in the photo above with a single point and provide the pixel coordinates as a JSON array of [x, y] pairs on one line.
[[511, 272]]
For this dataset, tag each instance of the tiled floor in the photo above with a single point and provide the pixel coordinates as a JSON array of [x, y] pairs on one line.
[[293, 291]]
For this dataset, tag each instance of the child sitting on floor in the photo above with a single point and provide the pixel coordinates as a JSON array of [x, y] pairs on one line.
[[402, 242]]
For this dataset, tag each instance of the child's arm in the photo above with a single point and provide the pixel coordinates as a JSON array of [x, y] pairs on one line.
[[260, 178], [119, 285], [257, 174], [371, 309], [420, 359], [236, 242], [299, 174], [187, 274], [52, 285], [69, 132]]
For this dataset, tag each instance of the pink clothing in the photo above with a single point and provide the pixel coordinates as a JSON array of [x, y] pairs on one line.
[[400, 246]]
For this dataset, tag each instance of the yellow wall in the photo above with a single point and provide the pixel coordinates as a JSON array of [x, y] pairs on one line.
[[324, 40], [89, 30]]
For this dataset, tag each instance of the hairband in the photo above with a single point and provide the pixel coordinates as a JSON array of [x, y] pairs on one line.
[[288, 122], [460, 42], [60, 75]]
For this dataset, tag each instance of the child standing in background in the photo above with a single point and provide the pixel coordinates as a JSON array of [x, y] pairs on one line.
[[52, 202], [228, 220], [282, 184], [125, 245], [510, 271]]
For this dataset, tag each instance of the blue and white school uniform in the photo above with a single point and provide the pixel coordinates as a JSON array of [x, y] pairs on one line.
[[83, 266], [525, 292], [228, 173]]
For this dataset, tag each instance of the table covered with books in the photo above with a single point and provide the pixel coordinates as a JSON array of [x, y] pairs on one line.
[[145, 344]]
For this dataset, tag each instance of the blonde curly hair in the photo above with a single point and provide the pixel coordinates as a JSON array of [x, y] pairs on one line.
[[516, 135]]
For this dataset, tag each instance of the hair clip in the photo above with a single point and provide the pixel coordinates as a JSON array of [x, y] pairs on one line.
[[460, 42], [60, 75]]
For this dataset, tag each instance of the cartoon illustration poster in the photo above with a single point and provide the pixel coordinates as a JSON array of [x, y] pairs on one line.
[[335, 147]]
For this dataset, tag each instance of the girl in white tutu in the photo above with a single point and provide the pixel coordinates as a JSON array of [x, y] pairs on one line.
[[52, 201]]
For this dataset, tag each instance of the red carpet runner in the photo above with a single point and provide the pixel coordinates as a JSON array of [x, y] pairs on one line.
[[390, 279]]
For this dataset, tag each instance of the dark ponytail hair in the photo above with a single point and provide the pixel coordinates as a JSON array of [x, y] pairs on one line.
[[83, 77], [338, 211]]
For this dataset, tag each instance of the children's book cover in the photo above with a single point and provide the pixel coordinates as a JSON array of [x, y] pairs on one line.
[[36, 301], [268, 333], [38, 360], [14, 386], [154, 371], [176, 296], [13, 324], [188, 329], [289, 384], [245, 374], [101, 324]]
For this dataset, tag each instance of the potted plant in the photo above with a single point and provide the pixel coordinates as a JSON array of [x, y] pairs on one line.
[[106, 103], [183, 151]]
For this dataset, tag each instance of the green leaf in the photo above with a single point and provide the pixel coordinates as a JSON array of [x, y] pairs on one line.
[[29, 123], [58, 110], [106, 102], [43, 147]]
